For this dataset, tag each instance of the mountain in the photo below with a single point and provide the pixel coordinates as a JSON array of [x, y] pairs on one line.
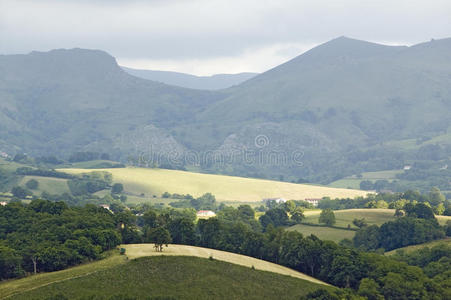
[[344, 107], [214, 82], [62, 100]]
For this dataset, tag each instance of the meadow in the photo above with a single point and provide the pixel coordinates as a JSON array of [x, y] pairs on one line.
[[408, 249], [225, 188], [182, 272], [142, 250], [323, 232], [354, 181], [47, 184], [373, 216]]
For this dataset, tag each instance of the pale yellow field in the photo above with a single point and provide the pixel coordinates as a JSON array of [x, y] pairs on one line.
[[48, 184], [225, 188], [139, 250]]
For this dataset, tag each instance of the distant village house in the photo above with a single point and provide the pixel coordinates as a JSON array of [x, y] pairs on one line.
[[3, 203], [313, 201], [277, 200], [205, 214], [106, 206]]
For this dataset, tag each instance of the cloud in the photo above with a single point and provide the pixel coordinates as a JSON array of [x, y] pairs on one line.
[[251, 60], [201, 32]]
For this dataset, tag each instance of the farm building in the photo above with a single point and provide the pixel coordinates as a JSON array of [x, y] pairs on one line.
[[3, 203], [313, 201], [106, 206], [277, 200], [205, 213]]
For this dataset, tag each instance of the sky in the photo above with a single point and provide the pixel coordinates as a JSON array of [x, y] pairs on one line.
[[205, 37]]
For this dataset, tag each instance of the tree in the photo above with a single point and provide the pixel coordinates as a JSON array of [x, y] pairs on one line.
[[276, 217], [182, 231], [366, 185], [367, 237], [32, 184], [360, 222], [297, 215], [370, 289], [10, 263], [20, 192], [117, 188], [159, 236], [436, 197], [327, 217], [246, 212]]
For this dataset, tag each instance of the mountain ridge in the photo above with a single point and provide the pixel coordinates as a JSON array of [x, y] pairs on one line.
[[344, 94], [213, 82]]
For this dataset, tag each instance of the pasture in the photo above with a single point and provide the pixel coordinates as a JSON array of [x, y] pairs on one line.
[[141, 250], [225, 188], [323, 232], [354, 181], [183, 272], [343, 218], [47, 184], [431, 244]]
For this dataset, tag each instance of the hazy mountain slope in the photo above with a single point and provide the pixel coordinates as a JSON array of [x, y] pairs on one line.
[[214, 82], [333, 111], [349, 92], [67, 99]]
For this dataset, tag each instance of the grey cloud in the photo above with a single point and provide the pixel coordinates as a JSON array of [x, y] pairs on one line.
[[204, 29]]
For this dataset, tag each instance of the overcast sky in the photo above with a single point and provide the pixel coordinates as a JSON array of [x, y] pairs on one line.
[[205, 37]]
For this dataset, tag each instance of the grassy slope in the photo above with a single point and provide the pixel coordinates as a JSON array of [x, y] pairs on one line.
[[140, 250], [11, 287], [354, 182], [157, 275], [48, 184], [376, 216], [225, 188], [324, 233], [408, 249], [178, 277]]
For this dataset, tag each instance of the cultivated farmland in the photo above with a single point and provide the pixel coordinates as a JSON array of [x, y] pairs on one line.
[[225, 188]]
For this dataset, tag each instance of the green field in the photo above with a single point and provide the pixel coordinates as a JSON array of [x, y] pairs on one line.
[[225, 188], [354, 181], [324, 233], [374, 216], [343, 218], [408, 249], [182, 272], [47, 184]]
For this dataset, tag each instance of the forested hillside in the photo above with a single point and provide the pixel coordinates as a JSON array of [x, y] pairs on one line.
[[342, 108]]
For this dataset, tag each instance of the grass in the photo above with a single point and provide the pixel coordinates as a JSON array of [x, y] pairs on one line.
[[373, 216], [93, 164], [354, 182], [324, 233], [177, 277], [180, 271], [225, 188], [12, 287], [140, 250], [48, 184], [408, 249]]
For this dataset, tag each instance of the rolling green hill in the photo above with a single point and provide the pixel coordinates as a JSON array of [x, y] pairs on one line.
[[373, 216], [182, 272], [408, 249], [225, 188]]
